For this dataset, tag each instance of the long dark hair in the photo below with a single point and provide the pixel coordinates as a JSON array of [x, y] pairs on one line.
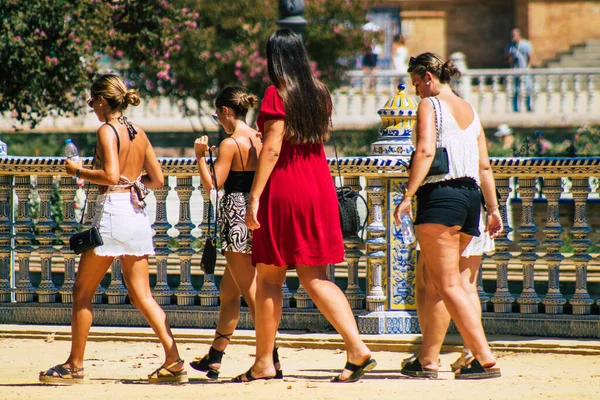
[[307, 101]]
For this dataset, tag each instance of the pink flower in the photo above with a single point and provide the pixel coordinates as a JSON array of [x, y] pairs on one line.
[[162, 75], [238, 64], [218, 55], [119, 53], [336, 29], [238, 73]]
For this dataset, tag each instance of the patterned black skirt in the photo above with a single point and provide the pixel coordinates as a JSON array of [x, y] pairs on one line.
[[235, 235]]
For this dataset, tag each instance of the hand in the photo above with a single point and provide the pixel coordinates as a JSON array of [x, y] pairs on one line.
[[201, 146], [405, 207], [72, 167], [252, 214], [493, 224]]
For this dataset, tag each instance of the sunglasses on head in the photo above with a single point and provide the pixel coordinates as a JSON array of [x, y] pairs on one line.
[[412, 61], [215, 117], [90, 102]]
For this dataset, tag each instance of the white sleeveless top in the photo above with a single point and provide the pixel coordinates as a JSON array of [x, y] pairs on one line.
[[463, 151]]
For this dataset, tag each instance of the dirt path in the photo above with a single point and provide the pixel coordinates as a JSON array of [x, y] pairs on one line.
[[117, 370]]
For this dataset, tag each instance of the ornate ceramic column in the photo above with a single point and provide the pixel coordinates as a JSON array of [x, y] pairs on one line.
[[353, 293], [503, 299], [116, 291], [553, 301], [23, 225], [287, 295], [6, 182], [390, 267], [162, 292], [185, 292], [528, 299], [46, 291], [69, 225], [302, 298], [209, 293], [581, 300]]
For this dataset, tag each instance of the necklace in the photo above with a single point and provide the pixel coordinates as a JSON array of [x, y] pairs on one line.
[[112, 118]]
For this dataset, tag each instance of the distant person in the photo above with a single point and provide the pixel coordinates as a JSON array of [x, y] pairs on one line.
[[399, 54], [518, 55], [505, 133]]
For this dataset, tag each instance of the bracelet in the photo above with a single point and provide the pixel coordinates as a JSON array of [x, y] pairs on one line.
[[491, 208], [78, 173], [407, 193]]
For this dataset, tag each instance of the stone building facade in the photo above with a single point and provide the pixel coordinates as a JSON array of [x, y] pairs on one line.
[[481, 28]]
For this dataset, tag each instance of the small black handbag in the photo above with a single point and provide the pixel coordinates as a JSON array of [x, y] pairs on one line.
[[209, 253], [87, 240], [440, 164]]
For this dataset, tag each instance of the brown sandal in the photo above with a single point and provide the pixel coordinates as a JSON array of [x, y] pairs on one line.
[[61, 375], [164, 374]]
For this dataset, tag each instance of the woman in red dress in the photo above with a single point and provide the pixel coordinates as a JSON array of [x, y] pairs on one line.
[[293, 209]]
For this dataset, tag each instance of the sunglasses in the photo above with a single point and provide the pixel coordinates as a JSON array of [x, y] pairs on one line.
[[215, 117], [412, 61], [90, 102]]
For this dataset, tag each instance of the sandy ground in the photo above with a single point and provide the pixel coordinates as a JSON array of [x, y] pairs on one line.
[[118, 369]]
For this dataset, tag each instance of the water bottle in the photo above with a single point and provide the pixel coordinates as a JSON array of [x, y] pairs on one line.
[[407, 230], [3, 149], [71, 152]]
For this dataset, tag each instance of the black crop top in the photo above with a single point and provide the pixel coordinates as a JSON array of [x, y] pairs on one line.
[[239, 181]]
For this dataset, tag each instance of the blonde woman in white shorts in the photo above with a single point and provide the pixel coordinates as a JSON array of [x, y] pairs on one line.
[[122, 152], [470, 261]]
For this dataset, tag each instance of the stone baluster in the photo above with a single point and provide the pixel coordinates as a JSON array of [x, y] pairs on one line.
[[46, 291], [209, 293], [162, 292], [69, 226], [577, 93], [553, 301], [510, 92], [23, 225], [591, 92], [528, 299], [365, 82], [352, 98], [90, 214], [581, 300], [522, 93], [503, 299], [116, 291], [5, 237], [481, 94], [185, 292], [563, 79], [495, 94], [353, 293], [536, 85], [376, 246], [549, 92]]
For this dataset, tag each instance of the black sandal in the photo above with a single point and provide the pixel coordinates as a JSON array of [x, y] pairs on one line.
[[278, 372], [214, 356], [474, 370], [357, 371], [250, 378], [61, 375], [414, 369]]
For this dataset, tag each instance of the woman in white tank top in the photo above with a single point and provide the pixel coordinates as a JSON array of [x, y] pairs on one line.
[[448, 213]]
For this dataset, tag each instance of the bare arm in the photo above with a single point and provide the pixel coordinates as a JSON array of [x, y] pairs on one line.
[[268, 156], [154, 178], [107, 150], [223, 162], [488, 188]]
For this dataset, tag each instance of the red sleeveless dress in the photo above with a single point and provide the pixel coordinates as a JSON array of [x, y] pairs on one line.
[[298, 210]]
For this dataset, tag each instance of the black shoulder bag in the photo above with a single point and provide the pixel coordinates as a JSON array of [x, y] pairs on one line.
[[440, 164], [209, 253], [347, 197], [86, 240]]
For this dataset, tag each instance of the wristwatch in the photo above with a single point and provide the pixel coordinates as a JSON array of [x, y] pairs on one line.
[[78, 173], [407, 193]]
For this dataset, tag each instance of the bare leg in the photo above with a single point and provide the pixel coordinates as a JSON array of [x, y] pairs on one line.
[[229, 311], [91, 270], [442, 260], [332, 303], [269, 280], [469, 269], [135, 273]]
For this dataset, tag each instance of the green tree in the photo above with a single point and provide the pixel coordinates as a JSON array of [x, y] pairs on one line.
[[49, 50]]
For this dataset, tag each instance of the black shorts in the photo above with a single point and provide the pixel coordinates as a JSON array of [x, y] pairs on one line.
[[456, 202], [370, 60]]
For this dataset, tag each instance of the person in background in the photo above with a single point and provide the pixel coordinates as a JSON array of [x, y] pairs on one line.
[[399, 54], [122, 152], [293, 208], [518, 56]]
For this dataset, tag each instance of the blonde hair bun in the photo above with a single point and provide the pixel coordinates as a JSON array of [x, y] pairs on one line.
[[132, 97], [248, 100]]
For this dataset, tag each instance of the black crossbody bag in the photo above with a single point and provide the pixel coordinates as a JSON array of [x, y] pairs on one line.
[[88, 239], [440, 164], [209, 253]]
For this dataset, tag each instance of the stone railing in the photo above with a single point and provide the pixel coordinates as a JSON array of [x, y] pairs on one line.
[[556, 97], [538, 290]]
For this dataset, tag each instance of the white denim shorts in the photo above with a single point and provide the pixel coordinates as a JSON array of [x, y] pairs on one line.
[[125, 228]]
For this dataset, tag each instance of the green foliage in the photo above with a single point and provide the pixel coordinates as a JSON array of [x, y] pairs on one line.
[[587, 141], [49, 50], [355, 143]]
